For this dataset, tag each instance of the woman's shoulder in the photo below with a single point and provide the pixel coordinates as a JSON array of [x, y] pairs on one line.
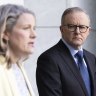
[[2, 62], [2, 59]]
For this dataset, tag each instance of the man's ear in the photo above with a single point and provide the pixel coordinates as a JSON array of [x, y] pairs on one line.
[[90, 29], [61, 29]]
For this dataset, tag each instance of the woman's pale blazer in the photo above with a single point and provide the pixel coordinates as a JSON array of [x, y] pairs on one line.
[[8, 85]]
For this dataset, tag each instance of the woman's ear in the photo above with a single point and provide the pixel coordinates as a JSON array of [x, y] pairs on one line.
[[6, 35]]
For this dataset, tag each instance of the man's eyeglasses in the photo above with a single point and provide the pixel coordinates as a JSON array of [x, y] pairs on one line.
[[72, 28]]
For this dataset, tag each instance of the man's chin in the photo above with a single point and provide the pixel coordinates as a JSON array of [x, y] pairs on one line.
[[76, 45]]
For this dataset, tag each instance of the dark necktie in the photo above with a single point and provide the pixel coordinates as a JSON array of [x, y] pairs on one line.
[[83, 70]]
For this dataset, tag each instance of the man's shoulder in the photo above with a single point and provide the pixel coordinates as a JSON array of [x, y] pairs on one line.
[[50, 50], [88, 53], [53, 50]]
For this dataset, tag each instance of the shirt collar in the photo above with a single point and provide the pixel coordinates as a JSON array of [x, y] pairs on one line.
[[72, 50]]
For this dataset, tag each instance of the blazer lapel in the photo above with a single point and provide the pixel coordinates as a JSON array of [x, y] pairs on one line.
[[69, 61], [90, 69], [27, 80]]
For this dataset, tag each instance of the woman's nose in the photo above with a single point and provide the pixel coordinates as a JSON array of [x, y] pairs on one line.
[[33, 33]]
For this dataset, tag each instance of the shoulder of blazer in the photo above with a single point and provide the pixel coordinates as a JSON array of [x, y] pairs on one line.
[[89, 54], [2, 59], [59, 47], [3, 62]]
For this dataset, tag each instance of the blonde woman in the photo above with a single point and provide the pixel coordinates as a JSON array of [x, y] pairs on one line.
[[17, 36]]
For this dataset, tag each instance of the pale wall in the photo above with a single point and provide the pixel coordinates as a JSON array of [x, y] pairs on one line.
[[48, 13]]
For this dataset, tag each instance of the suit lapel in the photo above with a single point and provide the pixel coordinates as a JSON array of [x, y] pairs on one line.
[[90, 68], [69, 61], [89, 64]]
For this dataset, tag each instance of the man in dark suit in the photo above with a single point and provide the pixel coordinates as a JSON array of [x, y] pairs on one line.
[[58, 72]]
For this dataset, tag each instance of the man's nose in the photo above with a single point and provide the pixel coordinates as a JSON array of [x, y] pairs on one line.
[[77, 30]]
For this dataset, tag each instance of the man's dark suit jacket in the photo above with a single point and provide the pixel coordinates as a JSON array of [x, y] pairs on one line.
[[58, 75]]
